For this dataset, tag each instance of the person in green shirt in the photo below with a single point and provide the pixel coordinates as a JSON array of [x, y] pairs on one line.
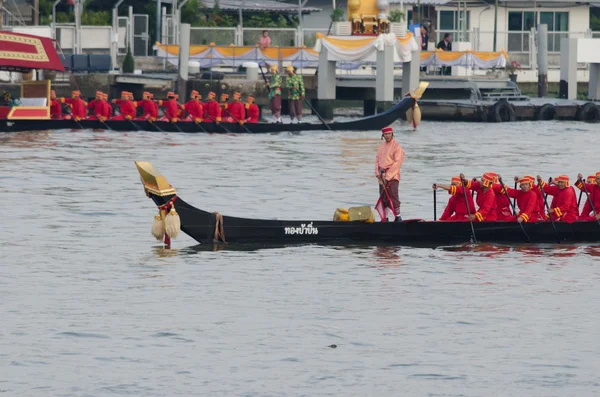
[[274, 87], [9, 101], [295, 86]]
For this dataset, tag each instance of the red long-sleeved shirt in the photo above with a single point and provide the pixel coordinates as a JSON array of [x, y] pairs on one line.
[[55, 109], [252, 112], [78, 110], [502, 203], [456, 208], [96, 107], [486, 202], [150, 108], [594, 192], [213, 110], [194, 109], [237, 111], [528, 204], [126, 108], [171, 109], [564, 203]]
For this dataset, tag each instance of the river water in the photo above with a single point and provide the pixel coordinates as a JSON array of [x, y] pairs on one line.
[[92, 305]]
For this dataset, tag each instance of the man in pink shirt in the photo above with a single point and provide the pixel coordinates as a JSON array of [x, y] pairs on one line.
[[265, 40], [390, 156]]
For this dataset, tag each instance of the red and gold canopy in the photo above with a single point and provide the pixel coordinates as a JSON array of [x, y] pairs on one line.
[[23, 52]]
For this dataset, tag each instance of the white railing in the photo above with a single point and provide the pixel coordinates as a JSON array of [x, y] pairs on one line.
[[219, 36], [280, 37], [10, 19], [94, 39]]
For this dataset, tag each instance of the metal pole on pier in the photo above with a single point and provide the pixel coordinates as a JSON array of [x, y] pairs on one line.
[[495, 24], [542, 51]]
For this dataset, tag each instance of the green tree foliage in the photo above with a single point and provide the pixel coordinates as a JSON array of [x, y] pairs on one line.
[[396, 16], [128, 62]]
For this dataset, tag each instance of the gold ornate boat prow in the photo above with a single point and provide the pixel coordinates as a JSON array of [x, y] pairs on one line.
[[153, 181], [417, 93]]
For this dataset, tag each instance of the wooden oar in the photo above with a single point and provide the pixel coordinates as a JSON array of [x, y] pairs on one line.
[[435, 202], [579, 199], [468, 210], [589, 200], [221, 125], [317, 113], [387, 195], [243, 125], [199, 125], [541, 187], [514, 209], [514, 199]]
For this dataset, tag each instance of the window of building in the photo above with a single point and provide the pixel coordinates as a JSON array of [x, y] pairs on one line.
[[595, 21], [520, 24], [454, 22]]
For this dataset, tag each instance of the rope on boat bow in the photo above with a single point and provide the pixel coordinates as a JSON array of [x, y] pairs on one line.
[[219, 229]]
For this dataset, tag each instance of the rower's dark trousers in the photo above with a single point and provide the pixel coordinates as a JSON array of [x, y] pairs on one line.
[[295, 108], [276, 106], [392, 189]]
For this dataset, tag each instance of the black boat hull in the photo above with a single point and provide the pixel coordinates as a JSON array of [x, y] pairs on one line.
[[200, 225], [375, 122]]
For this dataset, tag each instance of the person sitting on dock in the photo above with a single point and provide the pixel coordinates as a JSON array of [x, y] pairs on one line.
[[486, 198], [390, 157], [10, 101], [224, 106], [456, 210], [564, 201], [56, 112], [252, 110], [126, 106], [96, 107], [593, 189], [212, 110], [236, 110], [149, 108], [171, 108], [77, 105], [527, 200], [193, 107], [295, 85], [274, 87]]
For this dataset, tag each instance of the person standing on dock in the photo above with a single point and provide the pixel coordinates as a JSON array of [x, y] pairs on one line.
[[390, 157], [295, 85], [446, 45], [274, 87], [456, 210], [55, 108], [564, 201]]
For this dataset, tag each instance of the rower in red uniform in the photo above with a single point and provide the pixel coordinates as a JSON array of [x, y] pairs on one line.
[[252, 110], [150, 110], [212, 108], [224, 107], [108, 110], [171, 108], [126, 106], [564, 202], [237, 113], [456, 210], [486, 198], [96, 107], [503, 212], [527, 201], [194, 108], [55, 108], [77, 105], [593, 189]]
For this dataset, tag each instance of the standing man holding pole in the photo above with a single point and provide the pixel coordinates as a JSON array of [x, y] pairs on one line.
[[390, 156], [295, 85], [275, 94]]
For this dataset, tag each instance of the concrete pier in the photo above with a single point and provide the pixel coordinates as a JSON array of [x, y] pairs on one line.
[[542, 49], [184, 58], [568, 68], [326, 86], [411, 73], [384, 80]]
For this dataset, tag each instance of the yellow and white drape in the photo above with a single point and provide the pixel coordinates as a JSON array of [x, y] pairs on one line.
[[364, 49], [482, 60], [211, 55]]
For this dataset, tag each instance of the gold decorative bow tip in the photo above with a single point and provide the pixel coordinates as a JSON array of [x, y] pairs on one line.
[[152, 180], [417, 93]]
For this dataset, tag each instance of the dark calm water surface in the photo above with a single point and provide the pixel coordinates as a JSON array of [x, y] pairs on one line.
[[93, 306]]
